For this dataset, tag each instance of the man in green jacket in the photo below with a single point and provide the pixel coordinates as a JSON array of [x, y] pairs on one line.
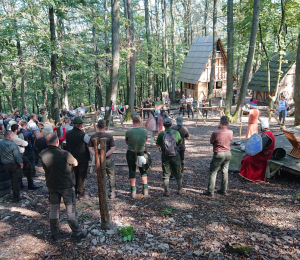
[[169, 140]]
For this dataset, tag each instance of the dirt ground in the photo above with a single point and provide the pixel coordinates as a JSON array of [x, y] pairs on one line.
[[264, 216]]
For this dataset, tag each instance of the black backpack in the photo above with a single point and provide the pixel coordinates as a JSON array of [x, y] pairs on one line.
[[169, 146]]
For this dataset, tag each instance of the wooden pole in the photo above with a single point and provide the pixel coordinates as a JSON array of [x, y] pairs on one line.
[[241, 124], [101, 172]]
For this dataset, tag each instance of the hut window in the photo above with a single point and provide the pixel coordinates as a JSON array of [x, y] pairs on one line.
[[218, 84]]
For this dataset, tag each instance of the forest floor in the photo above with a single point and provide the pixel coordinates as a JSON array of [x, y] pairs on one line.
[[264, 216]]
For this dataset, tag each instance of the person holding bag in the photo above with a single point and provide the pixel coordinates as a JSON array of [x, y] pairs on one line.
[[136, 138]]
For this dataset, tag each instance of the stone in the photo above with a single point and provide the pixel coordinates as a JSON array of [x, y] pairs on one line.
[[171, 219], [273, 256], [7, 217], [214, 224], [87, 222], [147, 245], [164, 246], [95, 232], [195, 239], [216, 243], [198, 253], [110, 232], [189, 216], [94, 241], [237, 222], [150, 235], [102, 239], [189, 253]]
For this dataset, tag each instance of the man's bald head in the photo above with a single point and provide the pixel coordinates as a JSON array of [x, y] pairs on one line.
[[52, 139]]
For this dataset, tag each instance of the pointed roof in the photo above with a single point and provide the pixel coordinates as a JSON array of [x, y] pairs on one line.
[[196, 59], [259, 80]]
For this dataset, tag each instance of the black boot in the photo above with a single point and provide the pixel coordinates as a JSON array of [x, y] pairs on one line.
[[32, 186]]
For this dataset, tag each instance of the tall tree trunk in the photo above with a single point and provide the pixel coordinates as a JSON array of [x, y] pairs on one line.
[[213, 61], [128, 55], [53, 66], [165, 44], [98, 89], [205, 17], [4, 87], [111, 92], [14, 95], [230, 44], [248, 64], [106, 37], [297, 87], [150, 74], [132, 56], [174, 51], [22, 72]]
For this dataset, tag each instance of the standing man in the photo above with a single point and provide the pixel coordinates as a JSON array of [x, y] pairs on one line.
[[184, 133], [82, 109], [253, 117], [77, 142], [110, 148], [220, 140], [169, 140], [189, 103], [27, 165], [25, 115], [42, 115], [148, 104], [13, 163], [182, 103], [136, 138], [205, 103], [60, 181], [282, 109], [121, 111], [167, 102]]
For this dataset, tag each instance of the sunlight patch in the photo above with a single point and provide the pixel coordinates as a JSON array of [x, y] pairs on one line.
[[26, 212]]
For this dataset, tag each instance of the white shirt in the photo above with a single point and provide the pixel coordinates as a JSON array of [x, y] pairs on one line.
[[72, 113], [82, 110], [189, 100], [19, 142]]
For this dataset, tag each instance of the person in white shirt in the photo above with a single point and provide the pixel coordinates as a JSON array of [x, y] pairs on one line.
[[26, 164], [189, 102], [82, 109], [32, 126], [73, 113]]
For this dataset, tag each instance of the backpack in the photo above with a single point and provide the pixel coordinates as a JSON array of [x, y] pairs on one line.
[[169, 146]]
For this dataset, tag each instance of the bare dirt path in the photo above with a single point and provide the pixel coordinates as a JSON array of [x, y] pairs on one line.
[[190, 226]]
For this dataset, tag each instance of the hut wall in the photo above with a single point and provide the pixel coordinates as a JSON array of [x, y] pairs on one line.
[[287, 85]]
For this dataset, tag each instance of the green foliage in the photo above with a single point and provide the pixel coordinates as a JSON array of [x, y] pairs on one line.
[[127, 233], [168, 212]]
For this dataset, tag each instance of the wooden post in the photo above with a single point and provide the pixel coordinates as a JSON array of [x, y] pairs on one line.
[[101, 172]]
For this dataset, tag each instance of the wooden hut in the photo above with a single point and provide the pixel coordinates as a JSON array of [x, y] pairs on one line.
[[195, 72], [259, 81]]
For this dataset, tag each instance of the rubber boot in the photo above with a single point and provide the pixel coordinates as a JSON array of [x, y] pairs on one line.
[[166, 185], [180, 189]]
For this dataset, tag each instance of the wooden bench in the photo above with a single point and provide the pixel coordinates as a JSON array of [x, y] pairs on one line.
[[295, 152]]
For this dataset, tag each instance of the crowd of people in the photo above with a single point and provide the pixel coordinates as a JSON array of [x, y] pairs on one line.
[[66, 169]]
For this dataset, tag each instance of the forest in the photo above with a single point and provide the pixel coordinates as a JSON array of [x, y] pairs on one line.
[[59, 53]]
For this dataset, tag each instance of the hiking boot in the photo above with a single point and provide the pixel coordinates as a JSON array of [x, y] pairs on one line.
[[32, 186], [145, 192], [180, 191], [18, 199], [80, 235], [207, 193], [166, 193], [221, 192], [133, 194], [112, 195]]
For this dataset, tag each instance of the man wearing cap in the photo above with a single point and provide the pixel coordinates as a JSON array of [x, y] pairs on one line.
[[220, 140], [184, 133], [77, 142], [253, 117], [41, 115], [253, 168], [169, 140]]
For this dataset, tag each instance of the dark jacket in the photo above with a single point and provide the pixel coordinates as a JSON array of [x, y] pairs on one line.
[[57, 164], [28, 137], [76, 145]]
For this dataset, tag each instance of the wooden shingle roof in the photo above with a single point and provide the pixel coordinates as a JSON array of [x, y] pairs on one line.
[[196, 60], [259, 81]]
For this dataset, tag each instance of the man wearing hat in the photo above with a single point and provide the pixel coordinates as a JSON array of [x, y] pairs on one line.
[[184, 133], [169, 140], [254, 167], [77, 142], [253, 117]]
